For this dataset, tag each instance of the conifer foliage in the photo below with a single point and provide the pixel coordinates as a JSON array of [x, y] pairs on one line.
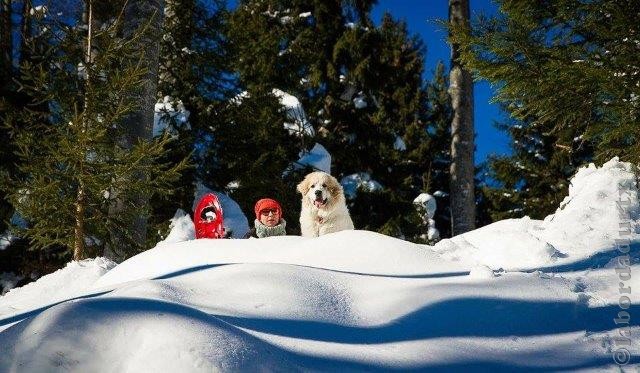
[[362, 88], [193, 84], [76, 164], [567, 73]]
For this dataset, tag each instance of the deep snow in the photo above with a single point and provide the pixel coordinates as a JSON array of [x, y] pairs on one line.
[[513, 295]]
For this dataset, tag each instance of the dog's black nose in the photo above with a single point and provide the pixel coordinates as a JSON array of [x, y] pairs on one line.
[[318, 193]]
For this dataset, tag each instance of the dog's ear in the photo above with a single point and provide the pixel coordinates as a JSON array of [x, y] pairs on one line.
[[303, 187], [334, 186]]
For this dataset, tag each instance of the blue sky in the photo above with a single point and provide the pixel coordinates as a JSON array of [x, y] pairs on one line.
[[421, 17]]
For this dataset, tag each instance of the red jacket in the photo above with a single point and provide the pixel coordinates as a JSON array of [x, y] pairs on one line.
[[208, 217]]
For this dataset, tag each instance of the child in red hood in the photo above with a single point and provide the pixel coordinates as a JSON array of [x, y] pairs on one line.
[[208, 218]]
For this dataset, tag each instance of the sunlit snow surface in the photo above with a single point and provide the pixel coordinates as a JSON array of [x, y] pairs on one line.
[[514, 295]]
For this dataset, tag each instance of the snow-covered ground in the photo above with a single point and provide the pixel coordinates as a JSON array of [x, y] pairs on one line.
[[558, 294]]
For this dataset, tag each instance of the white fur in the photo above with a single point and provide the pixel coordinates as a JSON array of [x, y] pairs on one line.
[[331, 217]]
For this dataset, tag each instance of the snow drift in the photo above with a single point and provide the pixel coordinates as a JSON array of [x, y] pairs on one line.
[[585, 225], [352, 300]]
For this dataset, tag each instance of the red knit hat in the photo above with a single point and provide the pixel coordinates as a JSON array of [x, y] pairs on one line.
[[267, 203]]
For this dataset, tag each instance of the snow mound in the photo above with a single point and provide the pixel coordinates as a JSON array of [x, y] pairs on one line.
[[352, 300], [481, 272], [506, 244], [182, 228], [587, 223], [69, 281], [167, 337], [602, 205], [369, 252]]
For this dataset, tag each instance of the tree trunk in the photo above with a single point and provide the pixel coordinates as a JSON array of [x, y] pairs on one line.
[[139, 14], [79, 234], [462, 145]]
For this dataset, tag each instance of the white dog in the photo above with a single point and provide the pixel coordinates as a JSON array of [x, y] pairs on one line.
[[324, 209]]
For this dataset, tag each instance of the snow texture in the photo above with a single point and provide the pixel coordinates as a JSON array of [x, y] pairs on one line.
[[426, 206], [166, 118], [182, 228], [360, 101], [352, 300], [399, 144], [427, 203], [72, 281], [6, 239], [299, 124], [586, 223], [361, 180], [318, 158]]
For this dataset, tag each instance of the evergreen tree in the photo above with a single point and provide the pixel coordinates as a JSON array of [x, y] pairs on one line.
[[566, 74], [270, 43], [194, 78], [76, 161], [533, 180], [567, 70], [8, 95], [363, 90], [379, 103]]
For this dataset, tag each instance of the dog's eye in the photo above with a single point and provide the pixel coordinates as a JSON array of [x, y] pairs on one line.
[[324, 185], [313, 185]]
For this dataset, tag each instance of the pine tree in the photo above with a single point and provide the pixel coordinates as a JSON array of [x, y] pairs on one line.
[[565, 73], [194, 76], [76, 161], [533, 180], [8, 95], [271, 44], [393, 136], [16, 25], [568, 67], [363, 90]]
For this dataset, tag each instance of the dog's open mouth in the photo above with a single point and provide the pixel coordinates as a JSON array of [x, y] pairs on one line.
[[319, 202]]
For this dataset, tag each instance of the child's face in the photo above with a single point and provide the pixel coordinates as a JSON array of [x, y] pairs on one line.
[[269, 217]]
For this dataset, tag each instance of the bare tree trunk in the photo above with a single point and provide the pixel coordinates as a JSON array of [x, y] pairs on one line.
[[462, 132], [79, 246], [6, 44], [139, 14], [79, 234]]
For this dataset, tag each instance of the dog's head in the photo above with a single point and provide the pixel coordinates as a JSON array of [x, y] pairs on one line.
[[320, 190]]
